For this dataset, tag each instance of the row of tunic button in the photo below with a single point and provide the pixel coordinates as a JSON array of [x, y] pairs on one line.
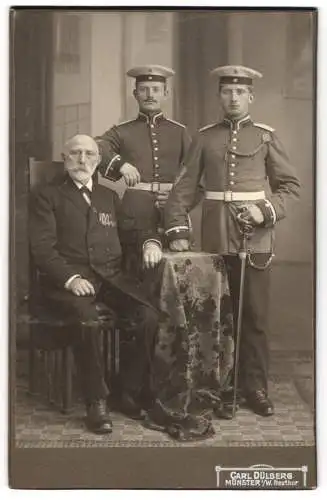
[[233, 157], [156, 158]]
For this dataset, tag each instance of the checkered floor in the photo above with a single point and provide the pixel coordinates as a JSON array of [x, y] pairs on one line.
[[291, 389]]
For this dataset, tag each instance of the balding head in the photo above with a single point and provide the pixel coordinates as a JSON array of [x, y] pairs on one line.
[[79, 140], [81, 156]]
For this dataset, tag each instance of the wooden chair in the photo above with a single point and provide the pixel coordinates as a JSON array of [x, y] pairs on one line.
[[51, 362]]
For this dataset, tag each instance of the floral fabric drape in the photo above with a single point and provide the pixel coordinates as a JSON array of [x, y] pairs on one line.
[[194, 350]]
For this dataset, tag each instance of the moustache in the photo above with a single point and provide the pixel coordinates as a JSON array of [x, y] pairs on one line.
[[78, 167]]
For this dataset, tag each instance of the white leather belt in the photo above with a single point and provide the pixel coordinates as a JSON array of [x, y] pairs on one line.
[[152, 186], [234, 196]]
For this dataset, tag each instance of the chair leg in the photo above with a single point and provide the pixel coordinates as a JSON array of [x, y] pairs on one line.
[[32, 367], [47, 375], [112, 372], [52, 380], [116, 351], [67, 389], [105, 334], [57, 377]]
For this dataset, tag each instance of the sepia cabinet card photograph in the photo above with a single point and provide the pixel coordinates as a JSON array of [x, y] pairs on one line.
[[162, 248]]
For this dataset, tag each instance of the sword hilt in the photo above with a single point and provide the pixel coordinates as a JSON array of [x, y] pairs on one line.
[[246, 235]]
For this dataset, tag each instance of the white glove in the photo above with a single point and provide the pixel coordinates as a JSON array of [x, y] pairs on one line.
[[152, 254], [179, 245]]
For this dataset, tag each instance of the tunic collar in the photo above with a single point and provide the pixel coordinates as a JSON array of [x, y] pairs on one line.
[[150, 118], [236, 124]]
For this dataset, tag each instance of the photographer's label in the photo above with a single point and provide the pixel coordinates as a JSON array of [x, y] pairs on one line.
[[261, 476]]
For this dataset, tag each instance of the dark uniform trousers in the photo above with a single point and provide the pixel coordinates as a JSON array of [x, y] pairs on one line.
[[254, 351], [69, 238]]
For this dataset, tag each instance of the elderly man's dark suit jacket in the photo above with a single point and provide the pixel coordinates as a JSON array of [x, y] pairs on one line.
[[68, 237]]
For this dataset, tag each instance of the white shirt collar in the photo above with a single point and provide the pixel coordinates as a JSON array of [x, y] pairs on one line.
[[89, 184]]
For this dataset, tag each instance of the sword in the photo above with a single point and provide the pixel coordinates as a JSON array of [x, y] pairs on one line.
[[247, 231]]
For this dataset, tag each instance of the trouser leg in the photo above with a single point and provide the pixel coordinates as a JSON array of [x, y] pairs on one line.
[[89, 361], [254, 353], [137, 352], [137, 324], [85, 338]]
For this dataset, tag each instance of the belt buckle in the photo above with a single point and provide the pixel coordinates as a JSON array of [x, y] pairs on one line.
[[228, 196], [155, 186]]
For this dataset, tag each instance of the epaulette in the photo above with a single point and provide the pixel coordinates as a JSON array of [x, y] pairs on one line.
[[176, 123], [207, 127], [127, 121], [264, 126]]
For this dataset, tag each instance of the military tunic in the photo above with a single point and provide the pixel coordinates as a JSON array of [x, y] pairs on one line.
[[156, 146], [234, 159]]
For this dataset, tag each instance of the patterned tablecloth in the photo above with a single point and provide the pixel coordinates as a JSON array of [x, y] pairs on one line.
[[194, 351]]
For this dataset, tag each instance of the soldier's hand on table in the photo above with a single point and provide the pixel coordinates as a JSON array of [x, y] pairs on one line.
[[131, 174], [181, 245], [152, 255], [251, 214], [81, 287]]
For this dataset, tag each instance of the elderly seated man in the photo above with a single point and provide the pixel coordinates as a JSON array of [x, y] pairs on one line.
[[74, 240]]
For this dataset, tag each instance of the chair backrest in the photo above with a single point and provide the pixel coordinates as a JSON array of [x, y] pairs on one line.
[[43, 171], [39, 172]]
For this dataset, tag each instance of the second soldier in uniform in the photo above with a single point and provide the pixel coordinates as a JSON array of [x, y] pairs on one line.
[[248, 181]]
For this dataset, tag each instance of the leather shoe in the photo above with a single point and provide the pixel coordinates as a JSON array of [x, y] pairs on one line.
[[98, 419], [260, 403]]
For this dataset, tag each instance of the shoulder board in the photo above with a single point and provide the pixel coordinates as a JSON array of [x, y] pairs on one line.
[[207, 127], [264, 126], [124, 123], [176, 123]]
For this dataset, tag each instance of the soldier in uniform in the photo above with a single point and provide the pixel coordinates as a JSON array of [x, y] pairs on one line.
[[147, 152], [248, 181]]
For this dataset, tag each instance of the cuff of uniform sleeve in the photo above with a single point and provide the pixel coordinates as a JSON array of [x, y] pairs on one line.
[[69, 281], [178, 233], [268, 212], [112, 170], [152, 240]]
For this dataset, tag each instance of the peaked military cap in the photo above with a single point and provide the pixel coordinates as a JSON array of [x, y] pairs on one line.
[[236, 74], [150, 72]]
